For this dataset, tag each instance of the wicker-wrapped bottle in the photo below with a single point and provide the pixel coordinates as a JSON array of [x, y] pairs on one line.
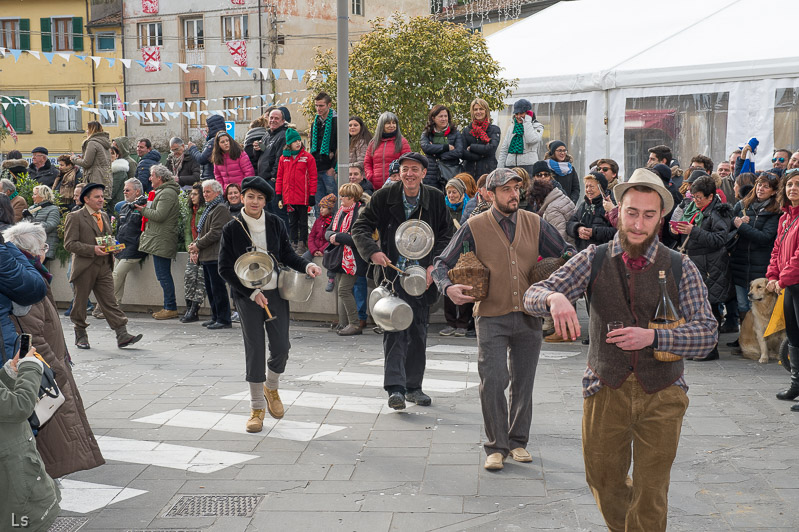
[[666, 317], [470, 271]]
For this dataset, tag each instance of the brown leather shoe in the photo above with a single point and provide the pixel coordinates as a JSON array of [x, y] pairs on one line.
[[256, 421], [350, 330], [362, 324], [165, 314], [555, 338], [273, 403], [494, 462], [520, 454]]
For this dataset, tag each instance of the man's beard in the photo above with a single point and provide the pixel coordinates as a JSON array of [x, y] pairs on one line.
[[636, 250], [506, 208]]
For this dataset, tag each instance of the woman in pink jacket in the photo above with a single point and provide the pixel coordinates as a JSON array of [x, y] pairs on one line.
[[231, 164], [296, 188], [783, 272], [386, 146]]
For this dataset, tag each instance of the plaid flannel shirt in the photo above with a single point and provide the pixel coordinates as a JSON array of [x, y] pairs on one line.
[[698, 336]]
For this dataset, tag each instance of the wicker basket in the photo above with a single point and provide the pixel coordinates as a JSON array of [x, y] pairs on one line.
[[665, 356], [546, 267], [470, 271]]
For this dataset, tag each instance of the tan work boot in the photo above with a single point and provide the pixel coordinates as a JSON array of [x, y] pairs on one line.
[[555, 338], [165, 314], [256, 421], [273, 403], [494, 462]]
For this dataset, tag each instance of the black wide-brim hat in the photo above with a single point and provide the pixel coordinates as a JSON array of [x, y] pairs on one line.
[[88, 188]]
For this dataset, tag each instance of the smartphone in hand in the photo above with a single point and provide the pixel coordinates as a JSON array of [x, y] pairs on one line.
[[24, 344]]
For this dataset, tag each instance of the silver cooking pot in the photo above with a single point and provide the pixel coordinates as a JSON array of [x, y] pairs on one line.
[[392, 314], [414, 239], [377, 294], [415, 282], [294, 286], [254, 269]]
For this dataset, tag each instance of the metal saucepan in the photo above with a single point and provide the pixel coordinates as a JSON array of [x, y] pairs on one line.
[[415, 280], [254, 269], [377, 294], [392, 314], [414, 239], [294, 286]]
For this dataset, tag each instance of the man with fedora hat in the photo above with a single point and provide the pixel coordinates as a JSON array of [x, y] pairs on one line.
[[405, 351], [633, 402], [92, 267]]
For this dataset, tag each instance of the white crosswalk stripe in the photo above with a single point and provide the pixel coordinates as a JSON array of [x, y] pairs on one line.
[[327, 401], [84, 497], [371, 379]]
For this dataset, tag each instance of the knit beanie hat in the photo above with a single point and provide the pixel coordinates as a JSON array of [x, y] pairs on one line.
[[540, 166], [696, 174], [458, 185], [663, 171], [522, 106], [329, 202], [292, 136], [600, 178], [554, 145]]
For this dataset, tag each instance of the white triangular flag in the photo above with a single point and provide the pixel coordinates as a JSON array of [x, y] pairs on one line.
[[205, 102], [34, 53], [184, 67], [96, 60], [65, 57], [171, 105], [264, 72], [236, 69], [212, 68], [289, 72], [126, 62]]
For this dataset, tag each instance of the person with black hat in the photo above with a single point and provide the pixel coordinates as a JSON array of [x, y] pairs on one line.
[[560, 164], [589, 225], [92, 267], [522, 139], [254, 227], [41, 169], [404, 351]]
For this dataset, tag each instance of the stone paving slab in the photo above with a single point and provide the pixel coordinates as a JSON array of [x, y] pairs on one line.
[[420, 469]]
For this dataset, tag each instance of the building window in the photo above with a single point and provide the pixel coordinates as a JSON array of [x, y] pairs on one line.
[[149, 108], [108, 102], [234, 27], [194, 105], [193, 31], [150, 34], [62, 34], [357, 7], [17, 114], [9, 34], [240, 105], [63, 118], [106, 42]]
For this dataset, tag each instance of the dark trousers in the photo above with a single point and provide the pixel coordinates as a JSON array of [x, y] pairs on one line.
[[277, 211], [360, 291], [99, 279], [163, 272], [404, 351], [507, 355], [457, 316], [216, 292], [791, 308], [255, 329], [298, 224]]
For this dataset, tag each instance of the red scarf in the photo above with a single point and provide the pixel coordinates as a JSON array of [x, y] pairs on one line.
[[635, 264], [479, 130], [150, 198], [347, 258]]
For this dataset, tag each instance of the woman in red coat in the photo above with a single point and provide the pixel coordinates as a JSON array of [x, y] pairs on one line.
[[296, 187], [231, 164], [783, 272], [386, 146]]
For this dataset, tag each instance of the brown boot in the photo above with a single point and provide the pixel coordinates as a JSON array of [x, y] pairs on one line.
[[165, 314], [256, 421], [81, 339], [124, 338], [273, 403], [350, 330]]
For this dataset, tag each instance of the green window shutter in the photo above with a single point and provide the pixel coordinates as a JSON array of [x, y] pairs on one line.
[[19, 118], [77, 34], [47, 36], [25, 33]]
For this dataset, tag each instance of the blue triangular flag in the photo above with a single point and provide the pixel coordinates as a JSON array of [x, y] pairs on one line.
[[49, 56], [162, 105], [141, 63], [16, 54], [104, 113], [90, 102], [111, 61], [276, 73], [81, 57], [180, 105], [300, 74], [169, 65], [249, 70], [188, 115], [324, 77], [225, 69]]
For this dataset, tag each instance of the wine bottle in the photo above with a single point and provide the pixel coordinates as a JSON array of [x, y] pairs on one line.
[[666, 317]]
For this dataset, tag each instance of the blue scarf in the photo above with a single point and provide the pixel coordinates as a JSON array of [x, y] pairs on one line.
[[208, 208], [560, 169], [456, 206]]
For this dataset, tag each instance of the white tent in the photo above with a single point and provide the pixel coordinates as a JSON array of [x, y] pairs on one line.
[[701, 76]]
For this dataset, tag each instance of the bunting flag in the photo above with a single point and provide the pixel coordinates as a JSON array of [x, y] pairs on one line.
[[9, 127], [149, 6], [238, 49], [152, 58], [120, 106], [237, 2]]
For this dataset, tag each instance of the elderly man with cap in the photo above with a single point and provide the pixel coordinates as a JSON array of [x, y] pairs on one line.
[[508, 241], [522, 139], [254, 227], [41, 169], [633, 401], [391, 206], [92, 267]]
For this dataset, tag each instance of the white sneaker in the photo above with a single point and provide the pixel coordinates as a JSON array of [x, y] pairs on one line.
[[447, 331]]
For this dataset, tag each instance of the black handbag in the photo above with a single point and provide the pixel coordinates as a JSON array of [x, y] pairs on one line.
[[333, 255]]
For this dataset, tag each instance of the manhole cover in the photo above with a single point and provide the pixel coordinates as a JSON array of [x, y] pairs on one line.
[[68, 524], [214, 506]]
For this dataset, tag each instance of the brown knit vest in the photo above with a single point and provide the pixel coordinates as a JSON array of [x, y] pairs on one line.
[[621, 294], [510, 263]]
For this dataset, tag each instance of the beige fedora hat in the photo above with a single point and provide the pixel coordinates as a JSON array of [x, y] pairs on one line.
[[644, 177]]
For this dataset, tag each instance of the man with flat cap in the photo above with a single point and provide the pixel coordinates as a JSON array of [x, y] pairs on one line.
[[404, 351], [92, 267], [41, 169]]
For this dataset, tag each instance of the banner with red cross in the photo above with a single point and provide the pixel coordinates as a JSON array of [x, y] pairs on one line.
[[238, 49], [238, 2], [149, 6], [151, 55]]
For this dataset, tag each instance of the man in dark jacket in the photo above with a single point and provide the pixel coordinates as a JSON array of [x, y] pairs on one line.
[[41, 169], [269, 149], [214, 124], [128, 233], [323, 146], [390, 206], [147, 158], [205, 250]]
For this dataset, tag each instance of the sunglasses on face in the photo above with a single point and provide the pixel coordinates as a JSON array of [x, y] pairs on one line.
[[604, 169], [542, 174], [780, 159]]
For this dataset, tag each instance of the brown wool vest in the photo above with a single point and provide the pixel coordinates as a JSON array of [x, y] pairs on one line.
[[510, 263], [621, 294]]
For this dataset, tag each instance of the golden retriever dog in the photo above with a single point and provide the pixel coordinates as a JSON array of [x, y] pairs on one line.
[[753, 345]]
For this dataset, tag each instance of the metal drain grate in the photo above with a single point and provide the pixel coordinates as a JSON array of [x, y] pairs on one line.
[[68, 524], [214, 506]]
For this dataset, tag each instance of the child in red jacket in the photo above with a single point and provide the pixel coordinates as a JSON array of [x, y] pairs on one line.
[[296, 187], [316, 240]]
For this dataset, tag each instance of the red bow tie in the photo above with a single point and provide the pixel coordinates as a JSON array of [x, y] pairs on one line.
[[634, 264]]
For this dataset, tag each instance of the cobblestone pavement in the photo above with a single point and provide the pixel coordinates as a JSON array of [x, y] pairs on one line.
[[170, 413]]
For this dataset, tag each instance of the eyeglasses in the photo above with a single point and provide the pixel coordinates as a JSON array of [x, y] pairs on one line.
[[604, 169], [780, 159], [560, 150], [45, 248], [542, 174]]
